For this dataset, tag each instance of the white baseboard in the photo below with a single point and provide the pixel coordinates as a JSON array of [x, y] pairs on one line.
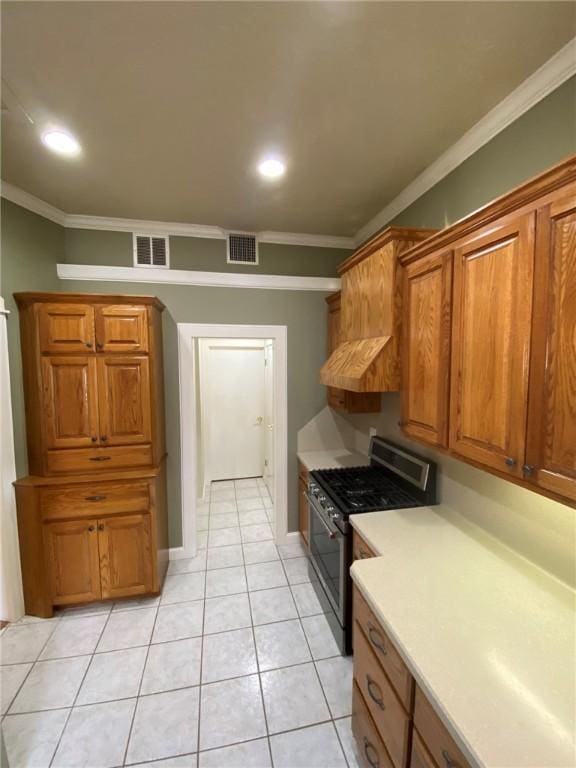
[[178, 553]]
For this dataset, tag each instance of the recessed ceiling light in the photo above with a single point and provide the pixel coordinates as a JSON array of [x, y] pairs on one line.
[[61, 142], [271, 168]]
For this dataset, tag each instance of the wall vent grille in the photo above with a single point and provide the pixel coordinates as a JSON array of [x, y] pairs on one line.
[[151, 251], [242, 249]]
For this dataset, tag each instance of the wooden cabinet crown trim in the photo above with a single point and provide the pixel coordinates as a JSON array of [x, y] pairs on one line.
[[558, 176], [380, 240], [25, 298]]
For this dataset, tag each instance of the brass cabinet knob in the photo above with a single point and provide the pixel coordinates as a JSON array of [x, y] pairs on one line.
[[90, 528], [100, 526]]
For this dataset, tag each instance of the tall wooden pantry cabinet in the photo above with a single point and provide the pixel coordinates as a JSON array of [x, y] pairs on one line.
[[92, 516]]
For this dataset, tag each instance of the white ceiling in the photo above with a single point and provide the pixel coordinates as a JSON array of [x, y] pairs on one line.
[[175, 102]]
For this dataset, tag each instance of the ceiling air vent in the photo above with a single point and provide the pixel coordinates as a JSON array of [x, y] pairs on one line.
[[242, 249], [151, 251]]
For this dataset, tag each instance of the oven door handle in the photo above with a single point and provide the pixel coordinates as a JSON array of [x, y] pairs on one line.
[[333, 533]]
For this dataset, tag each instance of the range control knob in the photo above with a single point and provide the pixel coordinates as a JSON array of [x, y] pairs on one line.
[[322, 498]]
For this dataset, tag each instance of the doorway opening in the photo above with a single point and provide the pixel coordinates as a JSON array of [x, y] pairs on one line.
[[233, 428]]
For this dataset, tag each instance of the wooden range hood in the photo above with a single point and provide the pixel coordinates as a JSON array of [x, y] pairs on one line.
[[368, 357]]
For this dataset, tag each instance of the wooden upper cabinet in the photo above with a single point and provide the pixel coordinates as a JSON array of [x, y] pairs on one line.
[[426, 348], [70, 401], [125, 546], [124, 400], [66, 327], [72, 560], [551, 454], [121, 328], [492, 313]]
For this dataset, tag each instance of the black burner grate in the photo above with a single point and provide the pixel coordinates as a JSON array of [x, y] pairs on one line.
[[363, 489]]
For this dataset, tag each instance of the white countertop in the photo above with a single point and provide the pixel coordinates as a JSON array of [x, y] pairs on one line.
[[489, 637], [331, 459]]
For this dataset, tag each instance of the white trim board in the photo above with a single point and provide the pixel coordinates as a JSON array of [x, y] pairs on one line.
[[187, 332], [166, 228], [190, 277], [546, 79]]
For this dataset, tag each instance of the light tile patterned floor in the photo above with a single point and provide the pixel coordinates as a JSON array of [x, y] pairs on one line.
[[233, 666]]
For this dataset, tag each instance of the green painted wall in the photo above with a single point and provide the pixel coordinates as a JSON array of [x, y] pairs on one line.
[[542, 137], [31, 248], [84, 246]]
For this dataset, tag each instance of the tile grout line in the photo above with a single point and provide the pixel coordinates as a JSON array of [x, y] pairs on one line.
[[258, 672], [316, 671], [200, 672], [63, 731], [140, 687]]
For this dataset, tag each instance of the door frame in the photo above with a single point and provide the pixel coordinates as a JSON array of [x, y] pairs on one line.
[[187, 333]]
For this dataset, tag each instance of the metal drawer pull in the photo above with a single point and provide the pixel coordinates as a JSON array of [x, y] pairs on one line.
[[94, 498], [448, 760], [374, 761], [376, 697], [100, 458], [376, 640]]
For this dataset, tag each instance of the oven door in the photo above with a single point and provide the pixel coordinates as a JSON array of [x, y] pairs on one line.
[[328, 557]]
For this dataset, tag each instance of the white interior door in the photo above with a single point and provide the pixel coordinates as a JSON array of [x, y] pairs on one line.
[[269, 416], [233, 405]]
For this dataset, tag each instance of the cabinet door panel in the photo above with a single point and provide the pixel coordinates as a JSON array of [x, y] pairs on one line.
[[70, 401], [121, 329], [552, 418], [125, 555], [493, 280], [66, 328], [71, 553], [124, 399], [426, 358]]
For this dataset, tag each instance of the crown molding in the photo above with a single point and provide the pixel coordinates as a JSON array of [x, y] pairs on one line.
[[191, 277], [31, 203], [542, 82], [164, 228]]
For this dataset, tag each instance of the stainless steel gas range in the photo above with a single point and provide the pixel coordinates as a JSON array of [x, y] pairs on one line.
[[395, 478]]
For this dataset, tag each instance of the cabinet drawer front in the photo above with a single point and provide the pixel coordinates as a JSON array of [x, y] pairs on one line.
[[98, 459], [436, 738], [391, 720], [361, 550], [90, 500], [384, 650], [369, 744]]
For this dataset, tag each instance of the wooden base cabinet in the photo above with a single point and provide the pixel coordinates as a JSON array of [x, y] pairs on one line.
[[394, 724], [93, 540], [92, 515], [489, 357]]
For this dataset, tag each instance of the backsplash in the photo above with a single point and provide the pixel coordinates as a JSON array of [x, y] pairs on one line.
[[542, 530]]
